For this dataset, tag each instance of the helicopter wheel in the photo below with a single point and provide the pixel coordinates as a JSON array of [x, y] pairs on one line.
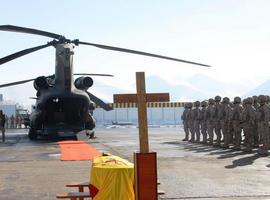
[[53, 137], [32, 134]]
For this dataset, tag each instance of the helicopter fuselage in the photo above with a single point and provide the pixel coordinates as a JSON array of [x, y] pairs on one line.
[[60, 105]]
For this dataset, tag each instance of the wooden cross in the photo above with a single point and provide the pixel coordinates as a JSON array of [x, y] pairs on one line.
[[145, 162], [141, 98]]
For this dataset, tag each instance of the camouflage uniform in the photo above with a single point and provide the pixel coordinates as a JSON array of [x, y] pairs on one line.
[[255, 131], [204, 121], [190, 122], [230, 124], [263, 117], [185, 122], [218, 109], [236, 114], [196, 116], [267, 99], [210, 119], [224, 116], [248, 121]]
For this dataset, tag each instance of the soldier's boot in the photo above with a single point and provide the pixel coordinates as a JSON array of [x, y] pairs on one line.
[[186, 136], [237, 140], [237, 148], [218, 139], [226, 141], [263, 152], [256, 140], [248, 149], [205, 138], [211, 138], [230, 138]]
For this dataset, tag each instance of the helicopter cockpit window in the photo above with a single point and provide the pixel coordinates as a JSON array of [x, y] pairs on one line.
[[56, 100]]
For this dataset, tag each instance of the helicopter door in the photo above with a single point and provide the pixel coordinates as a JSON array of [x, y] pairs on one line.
[[64, 111]]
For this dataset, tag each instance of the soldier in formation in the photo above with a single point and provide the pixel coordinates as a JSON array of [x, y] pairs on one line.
[[210, 120], [224, 116], [203, 122], [14, 122], [2, 125], [217, 124], [242, 125], [185, 122]]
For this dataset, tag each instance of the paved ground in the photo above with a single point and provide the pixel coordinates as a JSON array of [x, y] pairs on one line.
[[32, 170]]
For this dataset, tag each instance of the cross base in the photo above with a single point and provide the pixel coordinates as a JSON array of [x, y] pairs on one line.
[[146, 176]]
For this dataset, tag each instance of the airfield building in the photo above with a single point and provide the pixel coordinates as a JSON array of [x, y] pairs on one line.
[[9, 107], [168, 113]]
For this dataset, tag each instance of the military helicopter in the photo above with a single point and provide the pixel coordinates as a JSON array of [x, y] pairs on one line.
[[63, 104]]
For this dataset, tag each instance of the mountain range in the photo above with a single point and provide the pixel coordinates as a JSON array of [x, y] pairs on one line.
[[198, 87], [263, 88]]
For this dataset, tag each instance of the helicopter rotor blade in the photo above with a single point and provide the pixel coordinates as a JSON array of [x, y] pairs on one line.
[[16, 83], [99, 102], [19, 29], [139, 53], [85, 74], [22, 53]]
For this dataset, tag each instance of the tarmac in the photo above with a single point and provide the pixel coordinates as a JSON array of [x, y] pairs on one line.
[[33, 170]]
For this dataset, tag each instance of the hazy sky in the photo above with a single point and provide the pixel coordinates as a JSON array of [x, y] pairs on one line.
[[232, 36]]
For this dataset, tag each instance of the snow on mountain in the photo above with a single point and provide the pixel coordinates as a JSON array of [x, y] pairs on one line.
[[264, 88], [198, 87]]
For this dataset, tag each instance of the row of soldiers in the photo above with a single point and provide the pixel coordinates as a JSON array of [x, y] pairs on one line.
[[229, 121], [14, 122]]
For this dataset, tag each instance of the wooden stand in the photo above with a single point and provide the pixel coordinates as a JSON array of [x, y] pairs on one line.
[[146, 176]]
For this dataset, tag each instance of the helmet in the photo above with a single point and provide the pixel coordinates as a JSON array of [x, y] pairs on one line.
[[255, 98], [267, 98], [225, 100], [245, 101], [249, 100], [262, 99], [197, 104], [217, 98], [203, 103], [211, 101], [237, 100], [189, 105]]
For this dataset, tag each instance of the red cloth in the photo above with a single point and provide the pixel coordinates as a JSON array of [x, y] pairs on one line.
[[77, 150], [93, 190]]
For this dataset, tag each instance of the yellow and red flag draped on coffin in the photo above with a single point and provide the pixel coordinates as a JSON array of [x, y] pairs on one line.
[[113, 177]]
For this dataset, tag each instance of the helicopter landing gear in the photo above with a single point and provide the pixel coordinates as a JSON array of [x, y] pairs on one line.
[[90, 134], [32, 134]]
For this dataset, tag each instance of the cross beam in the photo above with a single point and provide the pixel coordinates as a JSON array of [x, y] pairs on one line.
[[132, 98], [141, 98]]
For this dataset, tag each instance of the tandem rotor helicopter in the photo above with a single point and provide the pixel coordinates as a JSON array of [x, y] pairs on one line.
[[63, 104]]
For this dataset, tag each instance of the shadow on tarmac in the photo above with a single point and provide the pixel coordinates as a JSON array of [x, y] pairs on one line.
[[243, 161], [221, 153]]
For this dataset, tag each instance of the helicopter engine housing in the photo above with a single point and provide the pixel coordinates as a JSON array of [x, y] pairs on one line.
[[41, 83], [83, 83]]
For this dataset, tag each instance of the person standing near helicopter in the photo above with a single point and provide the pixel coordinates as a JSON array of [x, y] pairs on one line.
[[2, 125]]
